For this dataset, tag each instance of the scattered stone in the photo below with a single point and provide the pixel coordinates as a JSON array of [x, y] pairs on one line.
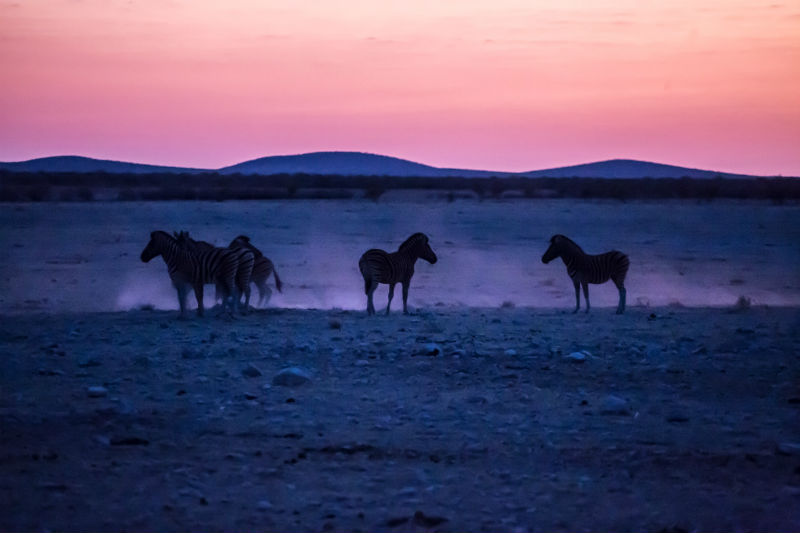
[[50, 372], [614, 405], [677, 419], [292, 376], [335, 324], [264, 505], [361, 362], [88, 362], [394, 522], [251, 371], [577, 357], [788, 448], [96, 391], [424, 520], [129, 441], [431, 349], [510, 352], [249, 396]]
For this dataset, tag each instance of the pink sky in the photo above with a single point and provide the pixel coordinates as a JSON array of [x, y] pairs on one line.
[[499, 84]]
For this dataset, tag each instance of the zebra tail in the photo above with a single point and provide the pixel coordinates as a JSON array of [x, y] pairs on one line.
[[278, 282]]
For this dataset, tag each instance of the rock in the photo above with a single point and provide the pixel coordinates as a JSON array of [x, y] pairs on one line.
[[292, 376], [788, 448], [361, 362], [428, 521], [251, 371], [431, 349], [264, 505], [614, 405], [577, 357], [335, 324], [88, 362], [510, 352], [96, 391]]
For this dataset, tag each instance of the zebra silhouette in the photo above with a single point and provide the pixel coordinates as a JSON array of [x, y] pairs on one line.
[[378, 266], [246, 262], [584, 268], [262, 268], [188, 266]]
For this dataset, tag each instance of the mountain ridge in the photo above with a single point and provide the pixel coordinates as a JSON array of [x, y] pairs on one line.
[[368, 164]]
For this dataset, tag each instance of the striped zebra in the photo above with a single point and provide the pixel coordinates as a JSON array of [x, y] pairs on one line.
[[246, 261], [262, 268], [192, 266], [585, 268], [378, 266]]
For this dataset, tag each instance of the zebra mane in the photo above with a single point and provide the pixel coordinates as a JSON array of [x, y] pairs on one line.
[[411, 241], [566, 239], [162, 234]]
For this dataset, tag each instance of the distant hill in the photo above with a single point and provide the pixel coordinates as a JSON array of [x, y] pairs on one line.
[[627, 168], [347, 164], [365, 164], [74, 163]]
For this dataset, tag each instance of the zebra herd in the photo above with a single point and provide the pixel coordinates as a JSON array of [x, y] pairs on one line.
[[192, 263]]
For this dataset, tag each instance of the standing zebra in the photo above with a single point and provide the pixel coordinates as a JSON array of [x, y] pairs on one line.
[[378, 266], [584, 268], [262, 268], [245, 261], [191, 266]]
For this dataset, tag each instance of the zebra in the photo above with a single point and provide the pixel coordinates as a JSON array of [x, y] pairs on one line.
[[585, 268], [246, 261], [262, 268], [190, 265], [378, 266]]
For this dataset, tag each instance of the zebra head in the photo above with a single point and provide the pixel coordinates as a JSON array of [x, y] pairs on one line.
[[560, 245], [418, 245], [243, 241], [185, 242], [554, 250], [159, 240]]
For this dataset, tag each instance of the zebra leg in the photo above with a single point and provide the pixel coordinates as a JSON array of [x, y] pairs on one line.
[[405, 297], [264, 292], [370, 306], [622, 294], [586, 294], [577, 294], [391, 295], [198, 293], [181, 288]]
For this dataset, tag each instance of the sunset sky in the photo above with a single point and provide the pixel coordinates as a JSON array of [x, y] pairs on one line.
[[498, 84]]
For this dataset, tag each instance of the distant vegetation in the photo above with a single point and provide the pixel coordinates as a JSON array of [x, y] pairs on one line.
[[82, 186]]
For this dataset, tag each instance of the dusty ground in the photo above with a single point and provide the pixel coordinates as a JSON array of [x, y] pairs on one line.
[[451, 419]]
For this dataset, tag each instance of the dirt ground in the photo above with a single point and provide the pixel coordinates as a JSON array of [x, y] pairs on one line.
[[450, 419]]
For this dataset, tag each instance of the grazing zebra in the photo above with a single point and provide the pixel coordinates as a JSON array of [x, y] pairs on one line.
[[378, 266], [262, 268], [245, 260], [584, 268]]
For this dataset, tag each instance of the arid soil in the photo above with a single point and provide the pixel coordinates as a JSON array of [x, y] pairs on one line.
[[450, 419]]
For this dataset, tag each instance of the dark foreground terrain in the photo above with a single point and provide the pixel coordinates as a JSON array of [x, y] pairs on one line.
[[451, 419]]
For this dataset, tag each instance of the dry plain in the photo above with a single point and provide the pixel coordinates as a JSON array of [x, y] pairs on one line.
[[489, 407]]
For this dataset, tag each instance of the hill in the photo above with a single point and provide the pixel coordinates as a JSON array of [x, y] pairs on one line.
[[348, 164], [627, 169], [79, 164], [365, 164]]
